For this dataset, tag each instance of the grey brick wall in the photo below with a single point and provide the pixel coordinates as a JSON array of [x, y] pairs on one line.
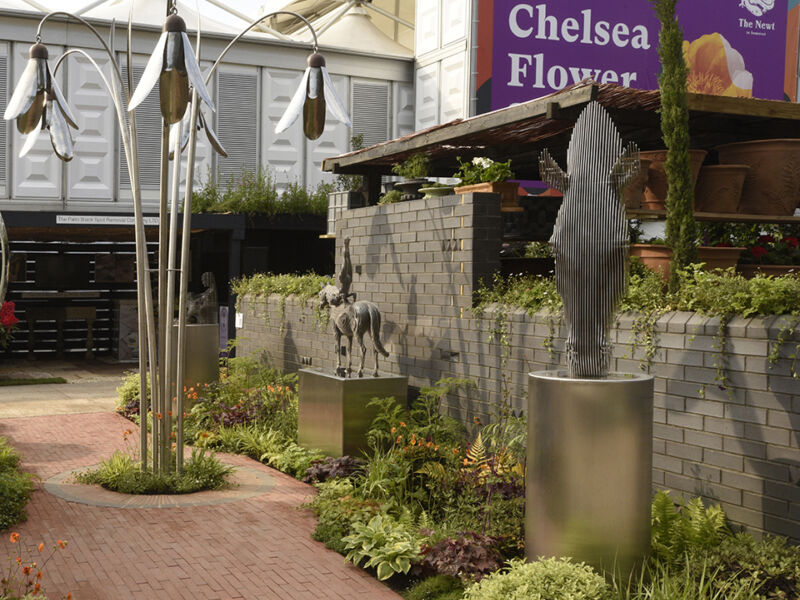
[[420, 262]]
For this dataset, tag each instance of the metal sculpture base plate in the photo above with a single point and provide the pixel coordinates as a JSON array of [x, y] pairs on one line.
[[589, 475], [202, 357], [333, 414]]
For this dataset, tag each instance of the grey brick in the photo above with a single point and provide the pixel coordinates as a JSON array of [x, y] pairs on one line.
[[761, 503], [722, 459], [705, 407], [767, 470], [685, 451], [770, 435], [677, 324], [746, 413], [745, 447], [682, 419], [745, 516], [704, 440], [722, 493], [666, 432], [742, 481], [786, 385], [667, 463], [723, 426]]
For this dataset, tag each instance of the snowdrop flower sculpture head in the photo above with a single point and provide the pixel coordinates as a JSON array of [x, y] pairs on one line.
[[182, 129], [174, 66], [37, 103], [310, 100]]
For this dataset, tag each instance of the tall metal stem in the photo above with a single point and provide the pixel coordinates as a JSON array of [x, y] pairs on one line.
[[165, 311], [184, 281]]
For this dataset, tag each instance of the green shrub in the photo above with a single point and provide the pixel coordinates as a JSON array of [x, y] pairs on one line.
[[438, 587], [336, 509], [390, 197], [128, 395], [384, 544], [771, 565], [121, 473], [417, 166], [16, 487], [545, 579]]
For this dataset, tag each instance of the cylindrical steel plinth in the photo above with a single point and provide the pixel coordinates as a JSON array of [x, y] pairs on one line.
[[589, 472]]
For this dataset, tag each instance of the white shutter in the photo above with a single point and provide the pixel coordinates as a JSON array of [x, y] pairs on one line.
[[402, 109], [427, 26], [371, 108], [148, 136], [237, 121], [283, 153], [334, 141], [454, 20], [452, 88], [427, 97], [4, 124], [37, 176], [90, 174]]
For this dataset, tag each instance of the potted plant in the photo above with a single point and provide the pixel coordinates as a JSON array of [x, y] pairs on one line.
[[436, 190], [349, 192], [776, 252], [483, 174], [414, 170]]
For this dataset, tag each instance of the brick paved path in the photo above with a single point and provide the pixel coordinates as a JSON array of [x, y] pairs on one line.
[[258, 548]]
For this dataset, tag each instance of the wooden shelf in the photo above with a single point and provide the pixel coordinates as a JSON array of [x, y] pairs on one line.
[[645, 214]]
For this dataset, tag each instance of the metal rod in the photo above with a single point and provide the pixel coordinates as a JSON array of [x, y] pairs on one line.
[[247, 19], [338, 15], [173, 384], [386, 13], [249, 27], [184, 279], [164, 311]]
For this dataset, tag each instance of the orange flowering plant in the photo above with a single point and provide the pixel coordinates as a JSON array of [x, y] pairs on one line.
[[24, 576]]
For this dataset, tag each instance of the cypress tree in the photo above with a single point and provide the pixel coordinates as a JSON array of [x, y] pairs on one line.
[[681, 226]]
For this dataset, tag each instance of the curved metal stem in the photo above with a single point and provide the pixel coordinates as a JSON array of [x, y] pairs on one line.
[[60, 13], [94, 64], [253, 24]]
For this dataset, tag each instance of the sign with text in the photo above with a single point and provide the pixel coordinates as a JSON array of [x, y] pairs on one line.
[[732, 47]]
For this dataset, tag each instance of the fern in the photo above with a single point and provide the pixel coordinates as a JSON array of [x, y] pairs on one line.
[[476, 453], [678, 530]]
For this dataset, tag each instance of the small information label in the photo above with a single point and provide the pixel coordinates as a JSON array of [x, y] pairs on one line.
[[103, 220], [239, 320]]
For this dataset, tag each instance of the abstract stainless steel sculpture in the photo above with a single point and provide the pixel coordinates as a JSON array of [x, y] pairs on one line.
[[590, 238], [203, 307], [351, 318]]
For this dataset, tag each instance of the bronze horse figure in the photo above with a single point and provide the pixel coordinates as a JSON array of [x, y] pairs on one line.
[[352, 319]]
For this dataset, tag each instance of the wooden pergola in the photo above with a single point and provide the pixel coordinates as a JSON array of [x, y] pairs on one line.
[[520, 132]]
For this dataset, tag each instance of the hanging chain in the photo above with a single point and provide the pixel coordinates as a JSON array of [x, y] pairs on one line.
[[172, 7]]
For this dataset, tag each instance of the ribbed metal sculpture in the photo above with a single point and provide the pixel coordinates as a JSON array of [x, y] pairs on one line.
[[590, 239]]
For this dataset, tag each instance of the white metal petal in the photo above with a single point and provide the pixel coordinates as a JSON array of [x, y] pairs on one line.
[[30, 139], [151, 74], [332, 99], [193, 70], [60, 136], [62, 104], [212, 137], [24, 93], [295, 105]]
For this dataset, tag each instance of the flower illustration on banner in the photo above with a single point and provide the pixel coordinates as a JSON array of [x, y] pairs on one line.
[[716, 67]]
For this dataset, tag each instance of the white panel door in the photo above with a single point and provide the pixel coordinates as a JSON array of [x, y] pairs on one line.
[[427, 97], [403, 109], [427, 26], [90, 175], [237, 120], [454, 20], [453, 88], [37, 176], [283, 153], [5, 65], [335, 140]]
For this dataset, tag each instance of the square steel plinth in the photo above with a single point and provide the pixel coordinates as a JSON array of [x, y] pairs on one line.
[[333, 415]]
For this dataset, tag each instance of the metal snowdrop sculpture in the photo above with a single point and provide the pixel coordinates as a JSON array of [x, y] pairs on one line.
[[590, 238], [37, 103]]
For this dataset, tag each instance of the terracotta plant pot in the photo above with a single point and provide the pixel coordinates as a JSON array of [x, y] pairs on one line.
[[772, 186], [508, 190], [719, 257], [655, 194], [719, 188], [633, 194], [655, 257], [750, 271]]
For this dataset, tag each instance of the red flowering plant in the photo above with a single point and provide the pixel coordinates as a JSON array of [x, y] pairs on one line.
[[779, 248], [8, 323], [24, 576]]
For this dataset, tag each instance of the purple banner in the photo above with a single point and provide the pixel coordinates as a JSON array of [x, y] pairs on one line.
[[733, 47]]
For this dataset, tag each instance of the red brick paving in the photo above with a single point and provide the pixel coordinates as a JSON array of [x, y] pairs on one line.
[[257, 548]]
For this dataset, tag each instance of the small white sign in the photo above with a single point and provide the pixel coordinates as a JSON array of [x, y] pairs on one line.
[[103, 220], [239, 320]]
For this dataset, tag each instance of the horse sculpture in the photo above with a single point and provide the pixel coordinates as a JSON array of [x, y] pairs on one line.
[[351, 318]]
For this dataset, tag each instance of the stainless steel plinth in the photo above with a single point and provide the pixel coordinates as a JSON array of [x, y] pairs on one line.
[[202, 357], [333, 414], [589, 472]]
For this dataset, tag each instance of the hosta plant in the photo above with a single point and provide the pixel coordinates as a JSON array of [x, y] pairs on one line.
[[384, 544]]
